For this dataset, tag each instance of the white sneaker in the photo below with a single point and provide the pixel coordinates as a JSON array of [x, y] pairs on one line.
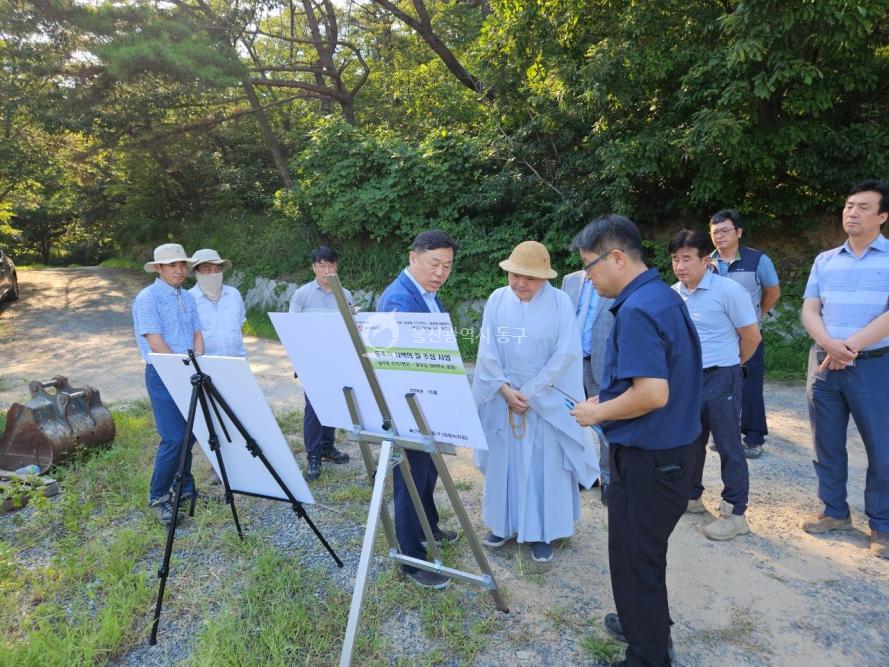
[[695, 506], [728, 525]]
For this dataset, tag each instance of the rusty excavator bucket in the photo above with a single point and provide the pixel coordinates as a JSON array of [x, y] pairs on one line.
[[51, 426]]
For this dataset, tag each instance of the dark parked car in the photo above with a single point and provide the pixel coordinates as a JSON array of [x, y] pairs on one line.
[[9, 283]]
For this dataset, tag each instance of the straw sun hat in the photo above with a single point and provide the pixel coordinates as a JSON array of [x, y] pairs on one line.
[[206, 255], [529, 258], [167, 253]]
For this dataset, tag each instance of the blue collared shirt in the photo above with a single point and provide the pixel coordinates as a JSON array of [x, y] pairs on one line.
[[719, 307], [590, 298], [166, 310], [428, 297], [221, 321], [654, 337], [853, 291]]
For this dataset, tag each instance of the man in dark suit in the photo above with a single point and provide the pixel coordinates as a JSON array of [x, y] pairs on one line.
[[594, 320], [415, 290]]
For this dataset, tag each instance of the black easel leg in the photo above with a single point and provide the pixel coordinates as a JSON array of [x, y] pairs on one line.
[[213, 443], [301, 512], [256, 451], [177, 499]]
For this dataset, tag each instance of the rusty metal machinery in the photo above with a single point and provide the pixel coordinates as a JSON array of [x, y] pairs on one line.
[[51, 426]]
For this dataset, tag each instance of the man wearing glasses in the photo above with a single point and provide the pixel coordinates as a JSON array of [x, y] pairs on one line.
[[415, 290], [649, 408], [317, 296], [755, 272]]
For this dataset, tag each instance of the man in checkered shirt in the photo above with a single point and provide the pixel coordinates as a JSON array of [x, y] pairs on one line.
[[166, 321]]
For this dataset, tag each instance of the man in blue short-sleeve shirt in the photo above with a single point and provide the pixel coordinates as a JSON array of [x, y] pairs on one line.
[[649, 408], [846, 312], [727, 326], [165, 319]]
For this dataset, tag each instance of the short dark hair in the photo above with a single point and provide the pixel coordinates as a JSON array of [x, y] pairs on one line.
[[726, 214], [323, 253], [608, 232], [690, 238], [433, 239], [874, 185]]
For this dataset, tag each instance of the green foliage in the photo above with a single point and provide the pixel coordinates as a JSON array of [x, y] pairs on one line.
[[124, 126]]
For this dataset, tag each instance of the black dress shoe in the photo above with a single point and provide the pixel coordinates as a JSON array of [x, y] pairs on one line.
[[313, 470], [334, 456], [614, 628], [428, 579], [442, 536]]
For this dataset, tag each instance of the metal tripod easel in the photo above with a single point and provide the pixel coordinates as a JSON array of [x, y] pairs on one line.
[[205, 394], [392, 446]]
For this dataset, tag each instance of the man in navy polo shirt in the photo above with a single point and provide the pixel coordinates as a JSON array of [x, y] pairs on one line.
[[846, 312], [755, 272], [649, 407]]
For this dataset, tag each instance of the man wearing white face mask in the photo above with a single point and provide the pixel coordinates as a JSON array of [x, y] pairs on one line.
[[220, 307]]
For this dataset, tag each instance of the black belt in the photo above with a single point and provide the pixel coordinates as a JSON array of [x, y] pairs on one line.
[[873, 354], [710, 369]]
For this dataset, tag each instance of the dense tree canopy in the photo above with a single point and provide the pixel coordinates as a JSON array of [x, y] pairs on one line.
[[269, 125]]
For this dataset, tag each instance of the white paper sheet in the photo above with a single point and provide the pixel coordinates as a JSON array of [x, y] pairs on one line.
[[411, 353], [235, 382]]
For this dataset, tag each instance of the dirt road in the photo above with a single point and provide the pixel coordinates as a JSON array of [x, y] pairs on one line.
[[775, 597], [77, 323]]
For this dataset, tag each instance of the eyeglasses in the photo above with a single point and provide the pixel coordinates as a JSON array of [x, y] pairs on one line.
[[598, 259], [721, 231], [324, 263]]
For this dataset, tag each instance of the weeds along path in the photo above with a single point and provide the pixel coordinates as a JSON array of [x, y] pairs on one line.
[[775, 597]]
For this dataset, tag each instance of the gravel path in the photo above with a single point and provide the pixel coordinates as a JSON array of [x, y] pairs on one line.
[[775, 597]]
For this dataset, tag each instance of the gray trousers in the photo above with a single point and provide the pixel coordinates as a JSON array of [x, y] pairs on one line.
[[591, 387]]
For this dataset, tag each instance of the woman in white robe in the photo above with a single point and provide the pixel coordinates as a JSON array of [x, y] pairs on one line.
[[537, 453]]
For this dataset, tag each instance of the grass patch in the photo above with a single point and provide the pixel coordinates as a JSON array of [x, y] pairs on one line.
[[258, 324], [740, 631], [284, 615], [786, 358], [35, 266], [291, 421], [121, 263], [596, 644], [82, 599]]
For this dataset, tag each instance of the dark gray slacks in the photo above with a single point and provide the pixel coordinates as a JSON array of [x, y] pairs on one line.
[[721, 416]]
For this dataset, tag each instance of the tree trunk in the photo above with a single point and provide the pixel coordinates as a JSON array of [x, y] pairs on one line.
[[268, 135]]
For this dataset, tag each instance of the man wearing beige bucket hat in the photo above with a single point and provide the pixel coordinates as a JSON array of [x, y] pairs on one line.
[[537, 453], [220, 307], [165, 319]]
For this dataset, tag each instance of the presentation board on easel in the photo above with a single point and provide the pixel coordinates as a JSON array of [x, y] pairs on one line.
[[233, 378], [411, 353]]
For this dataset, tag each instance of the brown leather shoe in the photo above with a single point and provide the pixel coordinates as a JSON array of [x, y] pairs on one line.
[[821, 523], [879, 544]]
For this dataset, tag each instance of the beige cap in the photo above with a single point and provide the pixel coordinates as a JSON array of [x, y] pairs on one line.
[[207, 255], [529, 258], [167, 254]]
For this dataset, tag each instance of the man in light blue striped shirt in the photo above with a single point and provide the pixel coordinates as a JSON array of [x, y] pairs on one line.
[[846, 312], [165, 320]]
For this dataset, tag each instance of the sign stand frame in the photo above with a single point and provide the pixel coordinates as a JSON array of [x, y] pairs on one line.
[[392, 446]]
